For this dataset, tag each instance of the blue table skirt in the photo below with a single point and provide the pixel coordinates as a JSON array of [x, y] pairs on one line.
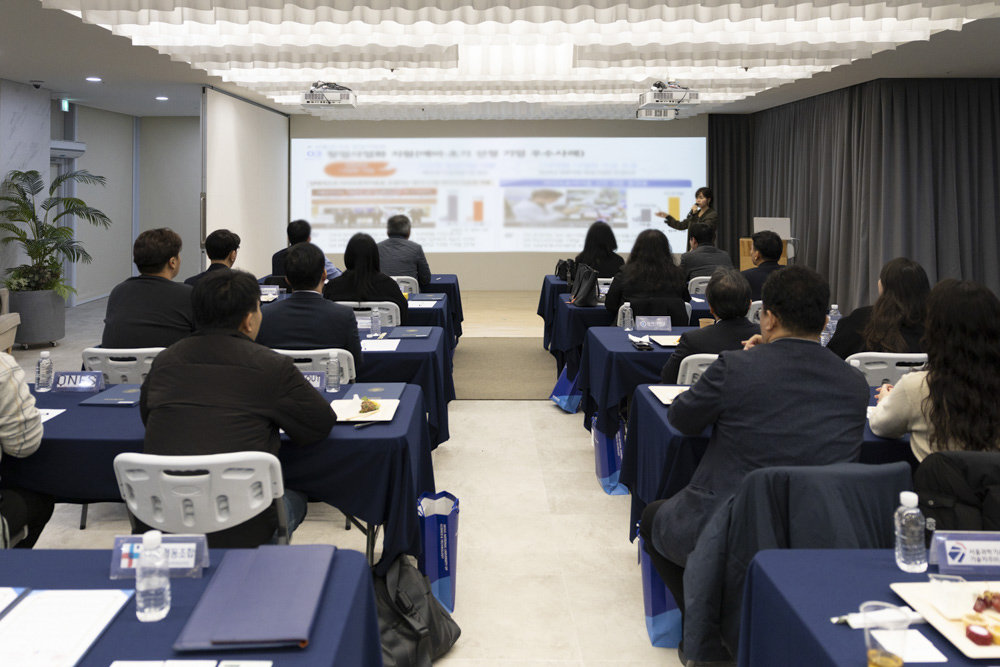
[[791, 594], [438, 316], [447, 283], [569, 329], [552, 287], [345, 633], [425, 362], [375, 473], [658, 460]]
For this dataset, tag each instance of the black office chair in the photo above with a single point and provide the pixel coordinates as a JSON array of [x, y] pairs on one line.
[[960, 490]]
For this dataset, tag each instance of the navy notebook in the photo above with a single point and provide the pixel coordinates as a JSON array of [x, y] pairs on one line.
[[124, 395], [375, 390], [409, 332], [260, 598]]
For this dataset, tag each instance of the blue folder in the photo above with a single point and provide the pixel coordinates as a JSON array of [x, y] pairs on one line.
[[124, 395], [259, 598], [409, 332]]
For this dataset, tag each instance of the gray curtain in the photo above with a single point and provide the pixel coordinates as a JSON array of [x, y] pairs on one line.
[[905, 167]]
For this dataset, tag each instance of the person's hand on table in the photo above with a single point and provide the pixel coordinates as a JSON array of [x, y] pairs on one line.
[[753, 341], [882, 392]]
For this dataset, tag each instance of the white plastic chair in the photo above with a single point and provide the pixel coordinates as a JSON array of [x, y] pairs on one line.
[[885, 367], [407, 284], [201, 494], [753, 313], [698, 284], [363, 310], [315, 360], [121, 365], [603, 284], [692, 366]]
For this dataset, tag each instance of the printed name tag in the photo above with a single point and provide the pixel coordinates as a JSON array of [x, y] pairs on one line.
[[653, 322], [966, 552], [78, 381], [187, 555], [316, 378]]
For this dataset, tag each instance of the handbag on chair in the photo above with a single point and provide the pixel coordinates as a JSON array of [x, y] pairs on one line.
[[584, 287]]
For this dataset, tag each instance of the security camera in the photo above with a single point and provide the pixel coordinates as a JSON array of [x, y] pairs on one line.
[[36, 84]]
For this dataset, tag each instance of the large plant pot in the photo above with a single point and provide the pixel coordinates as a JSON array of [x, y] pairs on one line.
[[43, 316]]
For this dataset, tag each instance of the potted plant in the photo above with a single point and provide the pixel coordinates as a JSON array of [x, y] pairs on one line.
[[37, 288]]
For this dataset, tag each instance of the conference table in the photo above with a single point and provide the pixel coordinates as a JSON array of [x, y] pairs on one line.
[[791, 594], [425, 362], [552, 287], [345, 632], [447, 283], [375, 473], [432, 310], [569, 328], [658, 460]]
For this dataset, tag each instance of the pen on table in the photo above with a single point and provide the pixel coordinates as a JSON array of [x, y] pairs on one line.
[[362, 425]]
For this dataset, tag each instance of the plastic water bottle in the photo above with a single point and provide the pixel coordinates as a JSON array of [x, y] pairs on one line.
[[43, 372], [628, 320], [911, 550], [152, 579], [831, 325], [332, 374], [376, 323]]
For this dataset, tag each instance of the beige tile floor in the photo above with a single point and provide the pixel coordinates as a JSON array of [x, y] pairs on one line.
[[546, 574]]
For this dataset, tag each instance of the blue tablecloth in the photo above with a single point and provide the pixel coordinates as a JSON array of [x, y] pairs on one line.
[[569, 329], [375, 473], [699, 309], [345, 633], [790, 596], [438, 316], [658, 460], [552, 287], [447, 283], [425, 362]]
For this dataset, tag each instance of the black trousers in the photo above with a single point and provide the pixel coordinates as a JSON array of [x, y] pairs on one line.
[[671, 573], [21, 508]]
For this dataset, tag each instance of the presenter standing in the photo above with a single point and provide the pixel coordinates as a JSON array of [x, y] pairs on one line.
[[702, 211]]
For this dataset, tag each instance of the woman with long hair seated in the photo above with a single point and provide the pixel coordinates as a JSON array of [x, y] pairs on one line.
[[599, 250], [952, 405], [363, 280], [895, 323], [651, 278]]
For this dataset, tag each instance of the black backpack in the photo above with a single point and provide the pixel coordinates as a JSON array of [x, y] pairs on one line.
[[566, 269], [415, 628]]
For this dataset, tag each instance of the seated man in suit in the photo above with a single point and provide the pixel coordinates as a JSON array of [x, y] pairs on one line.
[[765, 255], [299, 231], [218, 391], [399, 256], [20, 436], [785, 400], [728, 295], [150, 310], [704, 257], [220, 246], [305, 320]]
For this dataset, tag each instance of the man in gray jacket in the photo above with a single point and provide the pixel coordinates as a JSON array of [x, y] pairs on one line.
[[399, 256], [704, 257]]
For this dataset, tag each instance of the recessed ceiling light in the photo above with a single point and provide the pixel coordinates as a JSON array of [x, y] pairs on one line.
[[162, 98], [94, 79]]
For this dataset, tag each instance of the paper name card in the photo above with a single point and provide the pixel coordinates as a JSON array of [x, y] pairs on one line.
[[653, 323], [316, 378], [384, 345], [966, 551], [186, 554], [666, 341], [78, 381], [667, 393], [421, 304]]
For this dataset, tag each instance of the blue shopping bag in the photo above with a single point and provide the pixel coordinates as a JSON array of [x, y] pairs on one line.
[[566, 394], [439, 539], [663, 618], [608, 457]]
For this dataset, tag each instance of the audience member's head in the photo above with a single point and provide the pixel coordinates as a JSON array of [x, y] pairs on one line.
[[298, 231], [227, 300], [154, 249], [768, 245], [902, 302], [361, 255], [728, 294], [798, 297], [398, 225], [220, 244], [705, 192], [651, 261], [702, 233], [600, 242], [304, 266], [962, 339]]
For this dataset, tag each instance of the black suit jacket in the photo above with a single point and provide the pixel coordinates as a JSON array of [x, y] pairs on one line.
[[147, 311], [307, 321], [278, 262], [723, 335], [757, 275], [849, 337], [193, 280], [788, 402]]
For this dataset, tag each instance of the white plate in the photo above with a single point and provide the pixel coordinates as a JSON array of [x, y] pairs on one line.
[[350, 410], [934, 601]]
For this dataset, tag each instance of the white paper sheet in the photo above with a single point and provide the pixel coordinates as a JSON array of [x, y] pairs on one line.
[[375, 345], [7, 595], [667, 393], [54, 628], [49, 413], [666, 341], [421, 304]]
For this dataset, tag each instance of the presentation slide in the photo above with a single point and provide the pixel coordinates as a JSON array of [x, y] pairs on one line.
[[524, 194]]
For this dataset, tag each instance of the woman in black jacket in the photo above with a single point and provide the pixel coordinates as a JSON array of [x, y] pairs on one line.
[[599, 250], [363, 280], [649, 274]]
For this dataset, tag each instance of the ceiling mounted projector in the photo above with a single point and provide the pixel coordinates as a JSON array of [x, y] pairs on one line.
[[659, 113], [660, 102], [324, 95]]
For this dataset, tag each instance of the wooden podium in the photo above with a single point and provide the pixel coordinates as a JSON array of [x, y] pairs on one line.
[[746, 246]]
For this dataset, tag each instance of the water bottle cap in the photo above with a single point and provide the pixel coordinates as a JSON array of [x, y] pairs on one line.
[[152, 539], [627, 304], [45, 354], [834, 306], [908, 499]]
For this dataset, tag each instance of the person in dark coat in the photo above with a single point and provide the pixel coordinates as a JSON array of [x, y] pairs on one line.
[[221, 246], [765, 255], [363, 280], [599, 250]]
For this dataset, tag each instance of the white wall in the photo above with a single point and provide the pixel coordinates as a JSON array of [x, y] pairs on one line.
[[170, 183], [496, 271], [109, 139]]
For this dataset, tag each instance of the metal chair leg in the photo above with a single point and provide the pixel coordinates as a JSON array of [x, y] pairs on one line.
[[83, 516]]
